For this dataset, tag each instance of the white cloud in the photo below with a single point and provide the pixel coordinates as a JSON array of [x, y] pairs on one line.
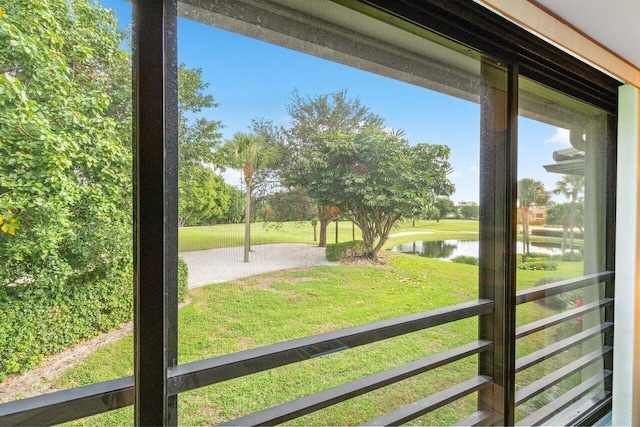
[[560, 137], [473, 169], [232, 177]]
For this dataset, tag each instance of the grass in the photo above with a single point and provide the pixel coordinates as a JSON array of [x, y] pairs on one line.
[[228, 235], [281, 306], [240, 315]]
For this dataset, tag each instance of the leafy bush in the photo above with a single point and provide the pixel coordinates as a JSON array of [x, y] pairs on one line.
[[538, 265], [463, 259], [338, 251], [558, 302], [183, 283], [38, 322], [553, 232], [570, 256]]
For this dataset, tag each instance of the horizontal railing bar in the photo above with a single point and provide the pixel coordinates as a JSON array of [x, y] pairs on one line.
[[556, 288], [428, 404], [560, 346], [555, 377], [308, 404], [551, 409], [68, 405], [539, 325], [596, 411], [210, 371], [478, 418]]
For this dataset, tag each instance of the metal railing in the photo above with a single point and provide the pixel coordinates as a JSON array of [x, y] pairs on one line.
[[90, 400]]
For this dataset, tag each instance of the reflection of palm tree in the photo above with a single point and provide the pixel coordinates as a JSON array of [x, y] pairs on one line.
[[249, 152], [570, 186], [530, 193]]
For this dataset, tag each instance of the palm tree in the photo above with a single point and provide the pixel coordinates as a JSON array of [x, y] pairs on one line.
[[250, 152], [570, 186], [530, 193]]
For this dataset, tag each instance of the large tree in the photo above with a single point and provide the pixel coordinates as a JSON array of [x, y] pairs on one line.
[[376, 178], [65, 146], [571, 186], [311, 116], [530, 193], [202, 193], [249, 152]]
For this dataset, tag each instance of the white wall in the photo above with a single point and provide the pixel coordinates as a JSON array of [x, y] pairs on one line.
[[626, 363]]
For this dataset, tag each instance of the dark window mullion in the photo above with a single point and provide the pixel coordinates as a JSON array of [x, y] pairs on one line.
[[498, 181], [155, 208]]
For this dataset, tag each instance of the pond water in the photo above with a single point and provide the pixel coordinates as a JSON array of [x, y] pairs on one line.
[[449, 249]]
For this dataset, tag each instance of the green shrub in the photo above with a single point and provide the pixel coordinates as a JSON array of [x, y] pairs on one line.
[[536, 256], [338, 251], [570, 256], [554, 232], [463, 259], [38, 322], [183, 283], [558, 302], [538, 265]]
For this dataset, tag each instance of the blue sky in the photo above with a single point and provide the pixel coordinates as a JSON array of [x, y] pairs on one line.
[[252, 79]]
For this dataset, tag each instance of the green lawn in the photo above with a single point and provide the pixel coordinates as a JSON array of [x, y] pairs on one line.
[[281, 306], [227, 235]]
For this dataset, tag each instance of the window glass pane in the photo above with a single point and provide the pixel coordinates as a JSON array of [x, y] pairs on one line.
[[66, 287], [562, 189], [345, 109]]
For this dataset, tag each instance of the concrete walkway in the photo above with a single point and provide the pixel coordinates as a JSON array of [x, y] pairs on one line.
[[225, 264]]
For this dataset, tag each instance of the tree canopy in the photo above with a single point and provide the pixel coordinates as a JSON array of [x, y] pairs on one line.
[[65, 156], [309, 117], [376, 178]]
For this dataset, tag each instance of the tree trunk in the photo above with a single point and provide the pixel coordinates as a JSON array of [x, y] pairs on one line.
[[572, 216], [565, 229], [525, 229], [324, 223], [247, 223]]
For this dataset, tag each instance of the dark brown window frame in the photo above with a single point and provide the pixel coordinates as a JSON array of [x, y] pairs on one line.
[[159, 377]]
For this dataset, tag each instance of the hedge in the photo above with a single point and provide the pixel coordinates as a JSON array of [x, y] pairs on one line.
[[338, 251], [183, 283], [539, 265], [463, 259], [554, 232], [36, 323]]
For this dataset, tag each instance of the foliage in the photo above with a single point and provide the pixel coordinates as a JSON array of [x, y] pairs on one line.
[[65, 178], [557, 302], [65, 156], [183, 280], [442, 208], [572, 256], [311, 116], [283, 206], [36, 323], [338, 251], [538, 265], [250, 152], [571, 186], [203, 195], [464, 259], [375, 179], [551, 232], [469, 210]]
